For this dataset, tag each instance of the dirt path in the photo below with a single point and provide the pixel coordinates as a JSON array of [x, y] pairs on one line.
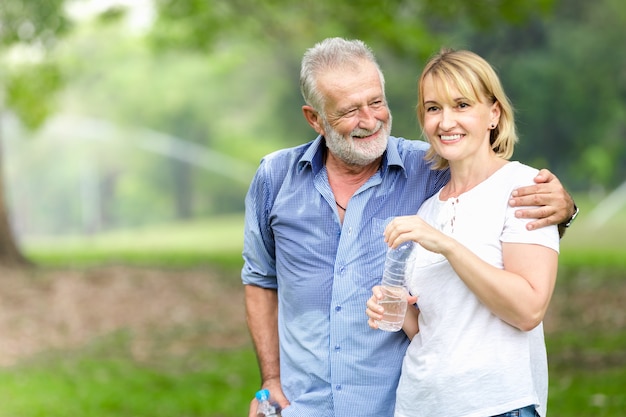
[[60, 309], [173, 311]]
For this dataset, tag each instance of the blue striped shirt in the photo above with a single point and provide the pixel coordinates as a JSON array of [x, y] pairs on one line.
[[332, 363]]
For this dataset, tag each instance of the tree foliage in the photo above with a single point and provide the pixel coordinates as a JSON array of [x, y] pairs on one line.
[[560, 60], [566, 79], [29, 91], [403, 26], [24, 21], [29, 84], [224, 74]]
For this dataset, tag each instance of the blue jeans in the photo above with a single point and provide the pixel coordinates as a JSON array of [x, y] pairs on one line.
[[528, 411]]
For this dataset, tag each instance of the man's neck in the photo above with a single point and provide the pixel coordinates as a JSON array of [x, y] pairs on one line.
[[346, 179]]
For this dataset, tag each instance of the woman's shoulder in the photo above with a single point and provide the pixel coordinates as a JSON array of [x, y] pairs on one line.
[[519, 172]]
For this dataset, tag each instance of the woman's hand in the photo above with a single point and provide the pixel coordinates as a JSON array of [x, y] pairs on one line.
[[404, 228], [375, 311]]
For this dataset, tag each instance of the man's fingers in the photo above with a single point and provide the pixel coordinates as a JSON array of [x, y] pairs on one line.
[[545, 175], [542, 212], [254, 405], [528, 190], [531, 200], [538, 224]]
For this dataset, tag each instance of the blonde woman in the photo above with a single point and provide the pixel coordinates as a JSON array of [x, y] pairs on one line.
[[483, 280]]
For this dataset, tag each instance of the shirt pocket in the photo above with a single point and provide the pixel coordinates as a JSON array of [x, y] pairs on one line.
[[378, 227]]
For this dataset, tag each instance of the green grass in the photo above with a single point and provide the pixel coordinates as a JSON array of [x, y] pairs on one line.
[[581, 393], [587, 362], [587, 373], [102, 381], [216, 241], [587, 243]]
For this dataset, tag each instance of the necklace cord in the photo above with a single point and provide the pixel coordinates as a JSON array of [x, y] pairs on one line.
[[340, 206]]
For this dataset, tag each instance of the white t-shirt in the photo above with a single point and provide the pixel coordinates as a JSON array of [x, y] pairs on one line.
[[465, 361]]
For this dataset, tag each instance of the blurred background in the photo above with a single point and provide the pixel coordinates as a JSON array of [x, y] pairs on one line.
[[129, 131]]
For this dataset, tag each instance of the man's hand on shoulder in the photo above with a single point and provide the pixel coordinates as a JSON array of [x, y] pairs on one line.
[[554, 205]]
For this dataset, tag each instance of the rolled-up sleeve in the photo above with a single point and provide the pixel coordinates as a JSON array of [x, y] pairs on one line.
[[258, 248]]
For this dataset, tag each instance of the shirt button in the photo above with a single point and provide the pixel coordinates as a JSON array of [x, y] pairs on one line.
[[337, 348], [338, 308], [338, 387]]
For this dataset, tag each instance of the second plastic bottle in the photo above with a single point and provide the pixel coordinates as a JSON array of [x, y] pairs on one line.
[[266, 409]]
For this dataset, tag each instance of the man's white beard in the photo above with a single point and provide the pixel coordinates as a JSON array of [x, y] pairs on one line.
[[354, 152]]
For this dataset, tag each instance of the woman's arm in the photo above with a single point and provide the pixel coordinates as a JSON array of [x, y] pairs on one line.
[[519, 294]]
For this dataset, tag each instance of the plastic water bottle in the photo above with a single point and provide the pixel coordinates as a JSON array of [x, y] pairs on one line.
[[266, 409], [394, 299]]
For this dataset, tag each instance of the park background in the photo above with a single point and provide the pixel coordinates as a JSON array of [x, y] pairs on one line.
[[130, 131]]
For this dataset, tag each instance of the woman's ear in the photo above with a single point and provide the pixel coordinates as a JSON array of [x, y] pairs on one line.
[[495, 113]]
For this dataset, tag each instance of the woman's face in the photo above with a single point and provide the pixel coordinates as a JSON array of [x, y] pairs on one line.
[[456, 126]]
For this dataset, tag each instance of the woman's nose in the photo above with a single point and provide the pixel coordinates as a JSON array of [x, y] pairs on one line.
[[447, 119]]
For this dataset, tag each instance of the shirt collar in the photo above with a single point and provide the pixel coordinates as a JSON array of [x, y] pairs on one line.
[[314, 156]]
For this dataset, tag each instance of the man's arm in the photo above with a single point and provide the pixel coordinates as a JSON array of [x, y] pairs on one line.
[[556, 206], [262, 318]]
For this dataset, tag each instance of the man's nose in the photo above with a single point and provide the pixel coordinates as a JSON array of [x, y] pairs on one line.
[[368, 118]]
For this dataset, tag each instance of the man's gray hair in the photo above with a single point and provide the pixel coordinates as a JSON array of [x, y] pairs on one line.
[[328, 55]]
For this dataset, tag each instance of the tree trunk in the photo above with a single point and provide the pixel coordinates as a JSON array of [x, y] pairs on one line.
[[10, 255]]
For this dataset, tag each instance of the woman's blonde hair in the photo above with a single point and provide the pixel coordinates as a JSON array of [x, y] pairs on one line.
[[475, 79]]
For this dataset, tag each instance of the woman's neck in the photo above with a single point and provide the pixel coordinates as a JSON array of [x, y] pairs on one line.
[[465, 175]]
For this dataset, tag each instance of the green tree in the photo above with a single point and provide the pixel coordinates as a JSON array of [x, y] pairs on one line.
[[212, 100], [404, 26], [565, 75], [403, 33], [400, 31], [27, 86]]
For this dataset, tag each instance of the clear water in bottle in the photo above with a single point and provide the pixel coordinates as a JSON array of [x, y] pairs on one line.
[[393, 287], [395, 305]]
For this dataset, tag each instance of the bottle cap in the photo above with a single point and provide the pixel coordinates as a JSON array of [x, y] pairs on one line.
[[263, 395]]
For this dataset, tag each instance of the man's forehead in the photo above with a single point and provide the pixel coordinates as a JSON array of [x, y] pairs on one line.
[[349, 81]]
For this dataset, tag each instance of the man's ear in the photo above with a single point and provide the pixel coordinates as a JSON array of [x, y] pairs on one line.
[[313, 118]]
